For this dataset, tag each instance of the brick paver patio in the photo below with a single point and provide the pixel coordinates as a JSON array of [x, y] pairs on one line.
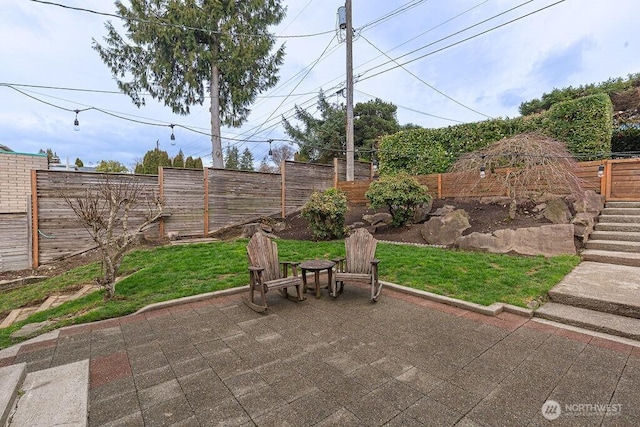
[[404, 361]]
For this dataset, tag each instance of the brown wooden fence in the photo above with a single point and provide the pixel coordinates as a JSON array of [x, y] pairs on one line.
[[197, 202], [624, 180], [56, 231], [14, 241]]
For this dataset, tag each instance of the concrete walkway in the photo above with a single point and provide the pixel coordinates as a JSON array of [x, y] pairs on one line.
[[404, 361]]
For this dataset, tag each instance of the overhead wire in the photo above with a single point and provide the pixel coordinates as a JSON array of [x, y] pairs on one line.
[[452, 44], [425, 83], [410, 109]]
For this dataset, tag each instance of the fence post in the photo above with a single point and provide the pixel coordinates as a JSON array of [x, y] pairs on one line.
[[34, 219], [205, 175], [439, 186], [335, 172], [607, 178], [161, 190], [284, 188]]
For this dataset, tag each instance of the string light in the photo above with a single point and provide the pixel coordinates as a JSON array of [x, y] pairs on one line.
[[76, 123], [482, 169], [600, 171], [270, 150], [173, 137]]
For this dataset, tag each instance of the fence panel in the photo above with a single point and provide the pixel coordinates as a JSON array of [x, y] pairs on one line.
[[61, 233], [301, 180], [237, 197], [361, 170], [183, 192], [14, 241]]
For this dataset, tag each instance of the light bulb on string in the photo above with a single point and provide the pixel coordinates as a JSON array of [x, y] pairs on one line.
[[76, 123], [270, 150], [173, 137], [600, 171], [482, 172]]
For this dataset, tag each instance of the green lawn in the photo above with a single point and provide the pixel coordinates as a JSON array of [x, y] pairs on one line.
[[170, 272]]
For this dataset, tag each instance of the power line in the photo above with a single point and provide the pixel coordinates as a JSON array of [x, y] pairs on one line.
[[453, 34], [296, 86], [397, 11], [454, 44], [425, 83], [183, 27], [411, 109]]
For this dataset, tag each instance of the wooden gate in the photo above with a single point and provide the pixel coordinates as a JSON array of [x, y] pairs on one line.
[[622, 179]]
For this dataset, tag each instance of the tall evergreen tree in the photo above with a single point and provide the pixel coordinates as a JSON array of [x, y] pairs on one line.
[[232, 159], [79, 162], [178, 160], [151, 161], [321, 139], [190, 163], [246, 160], [178, 50]]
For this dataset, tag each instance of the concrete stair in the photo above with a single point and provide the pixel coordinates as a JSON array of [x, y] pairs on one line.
[[616, 239], [55, 396], [603, 292]]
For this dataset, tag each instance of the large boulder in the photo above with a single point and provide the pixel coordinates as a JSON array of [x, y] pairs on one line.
[[444, 230], [589, 202], [583, 225], [557, 211], [547, 240], [382, 218], [422, 212], [446, 209]]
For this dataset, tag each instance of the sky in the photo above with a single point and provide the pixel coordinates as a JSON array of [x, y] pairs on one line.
[[457, 67]]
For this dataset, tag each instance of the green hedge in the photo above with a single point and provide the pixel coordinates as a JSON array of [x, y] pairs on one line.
[[584, 124]]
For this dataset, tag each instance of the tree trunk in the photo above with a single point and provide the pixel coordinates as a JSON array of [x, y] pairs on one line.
[[216, 143]]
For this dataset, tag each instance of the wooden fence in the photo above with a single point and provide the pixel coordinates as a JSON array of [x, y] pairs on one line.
[[197, 202], [621, 177], [56, 231], [14, 241]]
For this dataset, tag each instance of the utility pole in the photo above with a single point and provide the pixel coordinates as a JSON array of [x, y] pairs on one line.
[[349, 130]]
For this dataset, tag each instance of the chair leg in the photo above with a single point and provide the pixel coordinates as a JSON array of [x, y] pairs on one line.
[[251, 303], [376, 288]]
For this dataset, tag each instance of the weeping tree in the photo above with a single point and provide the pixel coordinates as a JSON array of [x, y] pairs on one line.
[[178, 51], [115, 212], [522, 167]]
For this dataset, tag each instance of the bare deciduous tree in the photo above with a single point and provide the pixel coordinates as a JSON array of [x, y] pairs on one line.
[[105, 211], [523, 167]]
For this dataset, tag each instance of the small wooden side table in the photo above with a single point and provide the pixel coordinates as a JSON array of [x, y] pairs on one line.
[[316, 265]]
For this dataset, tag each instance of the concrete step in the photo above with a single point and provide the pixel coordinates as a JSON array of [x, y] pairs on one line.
[[54, 396], [622, 205], [629, 236], [621, 211], [613, 245], [602, 287], [633, 219], [613, 226], [590, 319], [11, 378], [611, 257]]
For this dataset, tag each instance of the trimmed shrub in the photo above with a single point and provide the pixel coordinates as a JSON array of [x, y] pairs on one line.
[[585, 124], [326, 212], [400, 193]]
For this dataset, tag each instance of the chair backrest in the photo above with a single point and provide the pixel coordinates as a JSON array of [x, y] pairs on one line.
[[360, 249], [263, 252]]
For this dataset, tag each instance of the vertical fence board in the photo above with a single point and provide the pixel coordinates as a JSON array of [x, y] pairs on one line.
[[183, 191]]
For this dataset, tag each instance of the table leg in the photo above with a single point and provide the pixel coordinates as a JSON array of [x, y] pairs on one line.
[[316, 274], [329, 274], [304, 281]]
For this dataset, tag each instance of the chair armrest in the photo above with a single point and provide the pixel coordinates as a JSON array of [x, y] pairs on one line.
[[285, 268], [338, 259], [375, 261], [252, 268]]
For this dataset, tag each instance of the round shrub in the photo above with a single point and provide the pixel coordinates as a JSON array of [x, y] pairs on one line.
[[326, 212], [400, 193]]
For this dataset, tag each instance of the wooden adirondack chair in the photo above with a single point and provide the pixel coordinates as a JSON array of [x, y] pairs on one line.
[[359, 265], [266, 272]]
